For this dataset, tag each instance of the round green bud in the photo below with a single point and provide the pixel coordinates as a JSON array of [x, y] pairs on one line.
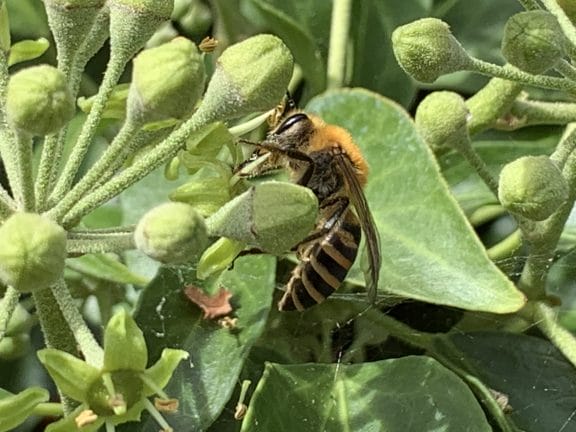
[[172, 233], [70, 21], [532, 187], [152, 97], [250, 76], [533, 41], [273, 216], [128, 390], [32, 252], [13, 347], [133, 22], [39, 101], [426, 49], [441, 119]]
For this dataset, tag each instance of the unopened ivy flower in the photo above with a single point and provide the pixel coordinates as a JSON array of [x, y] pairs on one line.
[[117, 391]]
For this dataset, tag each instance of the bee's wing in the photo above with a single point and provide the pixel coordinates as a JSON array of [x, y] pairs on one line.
[[358, 200]]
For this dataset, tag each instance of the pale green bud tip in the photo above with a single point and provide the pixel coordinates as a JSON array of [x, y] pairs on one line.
[[152, 97], [32, 252], [273, 216], [171, 233], [533, 41], [426, 49], [39, 101], [162, 9], [250, 76], [124, 344], [441, 119], [533, 187]]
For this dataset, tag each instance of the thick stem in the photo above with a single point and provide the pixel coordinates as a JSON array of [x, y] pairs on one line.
[[113, 72], [478, 164], [103, 243], [511, 73], [7, 307], [142, 167], [92, 351], [506, 248], [24, 194], [566, 146], [56, 332], [97, 171], [545, 319], [490, 103], [340, 25], [528, 113]]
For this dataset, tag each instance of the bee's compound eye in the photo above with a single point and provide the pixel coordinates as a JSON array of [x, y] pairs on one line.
[[290, 121]]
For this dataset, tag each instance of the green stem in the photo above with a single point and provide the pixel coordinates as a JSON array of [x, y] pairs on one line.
[[485, 214], [142, 167], [7, 307], [565, 24], [25, 192], [490, 103], [49, 161], [506, 248], [529, 4], [511, 73], [340, 25], [7, 204], [565, 147], [92, 351], [545, 319], [7, 136], [112, 154], [104, 243], [466, 149], [56, 332], [48, 409], [114, 70], [529, 113], [566, 69]]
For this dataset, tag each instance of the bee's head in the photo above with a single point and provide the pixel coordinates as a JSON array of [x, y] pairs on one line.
[[293, 132]]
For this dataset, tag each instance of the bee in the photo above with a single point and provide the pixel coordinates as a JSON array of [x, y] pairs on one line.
[[325, 159]]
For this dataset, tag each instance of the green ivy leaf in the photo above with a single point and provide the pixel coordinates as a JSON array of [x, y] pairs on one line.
[[105, 267], [302, 25], [384, 395], [537, 379], [429, 251], [27, 50], [15, 409], [204, 383]]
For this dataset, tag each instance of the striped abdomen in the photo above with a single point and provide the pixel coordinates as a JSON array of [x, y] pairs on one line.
[[323, 266]]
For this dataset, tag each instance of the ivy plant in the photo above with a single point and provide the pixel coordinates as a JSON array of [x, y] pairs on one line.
[[140, 272]]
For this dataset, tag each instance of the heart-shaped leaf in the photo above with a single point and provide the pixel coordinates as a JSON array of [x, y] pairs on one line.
[[407, 394]]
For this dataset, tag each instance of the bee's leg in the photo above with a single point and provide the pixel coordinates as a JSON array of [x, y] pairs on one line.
[[340, 205]]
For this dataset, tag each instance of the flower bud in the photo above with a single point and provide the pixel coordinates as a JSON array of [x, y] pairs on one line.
[[32, 252], [272, 216], [533, 41], [532, 187], [426, 49], [152, 97], [250, 76], [39, 101], [171, 233], [70, 21], [128, 390], [13, 347], [124, 344], [441, 119], [206, 196], [133, 22]]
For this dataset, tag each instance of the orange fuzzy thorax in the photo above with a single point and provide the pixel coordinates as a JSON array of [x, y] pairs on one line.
[[327, 136]]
